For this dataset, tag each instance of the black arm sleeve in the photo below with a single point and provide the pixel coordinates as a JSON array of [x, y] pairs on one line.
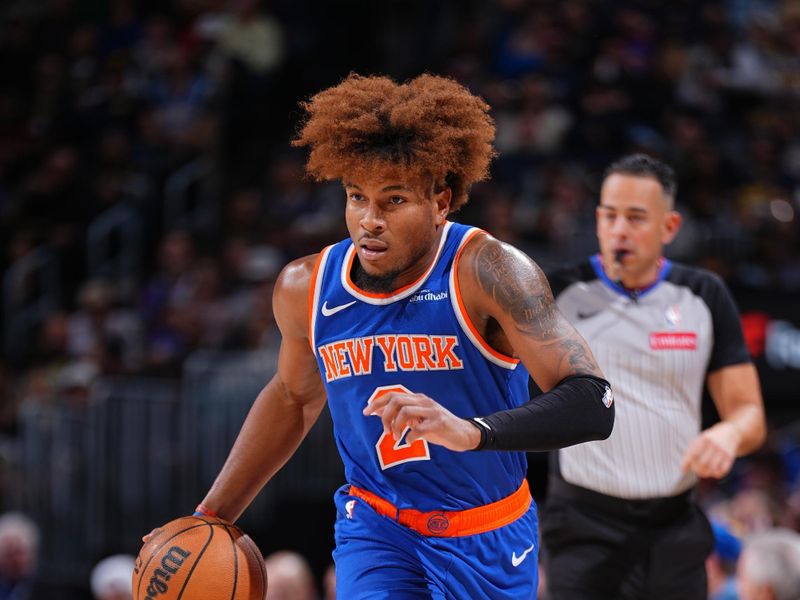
[[579, 409]]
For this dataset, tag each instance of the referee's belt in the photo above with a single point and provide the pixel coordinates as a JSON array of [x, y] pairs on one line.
[[649, 509], [453, 523]]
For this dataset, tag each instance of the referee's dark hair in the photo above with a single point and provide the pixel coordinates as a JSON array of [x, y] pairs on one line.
[[646, 166]]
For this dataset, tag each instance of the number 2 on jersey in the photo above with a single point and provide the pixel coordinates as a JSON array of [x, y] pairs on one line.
[[392, 452]]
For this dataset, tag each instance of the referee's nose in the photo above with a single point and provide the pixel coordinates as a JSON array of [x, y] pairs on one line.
[[620, 228]]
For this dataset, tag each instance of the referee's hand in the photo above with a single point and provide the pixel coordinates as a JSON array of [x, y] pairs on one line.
[[711, 454]]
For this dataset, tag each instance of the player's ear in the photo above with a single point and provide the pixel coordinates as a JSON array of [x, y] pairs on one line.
[[442, 199]]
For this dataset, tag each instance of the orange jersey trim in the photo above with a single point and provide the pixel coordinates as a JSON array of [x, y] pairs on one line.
[[463, 308], [312, 297], [374, 294], [443, 523]]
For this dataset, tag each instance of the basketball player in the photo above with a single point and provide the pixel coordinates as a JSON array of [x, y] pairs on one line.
[[619, 521], [413, 330]]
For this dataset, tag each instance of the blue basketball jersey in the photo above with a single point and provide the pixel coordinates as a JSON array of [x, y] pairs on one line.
[[418, 339]]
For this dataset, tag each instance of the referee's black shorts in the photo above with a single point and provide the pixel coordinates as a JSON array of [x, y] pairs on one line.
[[597, 547]]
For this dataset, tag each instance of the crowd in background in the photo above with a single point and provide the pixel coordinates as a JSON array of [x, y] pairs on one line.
[[149, 195]]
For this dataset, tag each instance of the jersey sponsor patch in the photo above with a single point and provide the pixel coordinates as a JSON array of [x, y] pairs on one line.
[[673, 340], [428, 296]]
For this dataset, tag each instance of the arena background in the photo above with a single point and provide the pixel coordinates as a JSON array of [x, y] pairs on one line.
[[149, 197]]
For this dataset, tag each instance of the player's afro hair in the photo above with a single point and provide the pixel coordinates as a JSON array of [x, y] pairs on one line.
[[431, 129]]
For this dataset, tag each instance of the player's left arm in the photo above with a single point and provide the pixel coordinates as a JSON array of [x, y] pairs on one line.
[[503, 287], [732, 381]]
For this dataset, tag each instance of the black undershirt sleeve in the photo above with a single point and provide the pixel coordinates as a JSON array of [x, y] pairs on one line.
[[579, 409]]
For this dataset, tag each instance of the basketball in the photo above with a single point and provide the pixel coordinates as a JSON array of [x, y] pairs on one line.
[[199, 558]]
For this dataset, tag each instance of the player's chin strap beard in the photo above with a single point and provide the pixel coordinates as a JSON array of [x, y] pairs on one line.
[[386, 283], [379, 284]]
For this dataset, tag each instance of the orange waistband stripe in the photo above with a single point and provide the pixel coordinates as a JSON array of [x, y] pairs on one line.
[[453, 523]]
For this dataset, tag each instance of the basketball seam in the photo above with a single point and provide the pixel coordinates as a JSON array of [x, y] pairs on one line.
[[157, 550], [258, 558], [235, 562], [197, 561]]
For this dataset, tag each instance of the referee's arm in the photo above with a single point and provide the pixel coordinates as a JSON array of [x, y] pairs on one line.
[[737, 395]]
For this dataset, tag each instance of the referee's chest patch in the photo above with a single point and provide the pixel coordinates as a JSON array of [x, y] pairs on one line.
[[672, 315], [673, 340]]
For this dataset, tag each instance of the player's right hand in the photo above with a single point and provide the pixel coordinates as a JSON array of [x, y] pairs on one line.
[[426, 418]]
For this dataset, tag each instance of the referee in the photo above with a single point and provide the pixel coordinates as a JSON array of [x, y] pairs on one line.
[[620, 521]]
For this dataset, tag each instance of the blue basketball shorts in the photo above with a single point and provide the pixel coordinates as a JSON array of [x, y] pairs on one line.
[[378, 558]]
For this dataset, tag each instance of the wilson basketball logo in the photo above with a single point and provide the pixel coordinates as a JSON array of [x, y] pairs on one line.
[[673, 340], [199, 558], [172, 561]]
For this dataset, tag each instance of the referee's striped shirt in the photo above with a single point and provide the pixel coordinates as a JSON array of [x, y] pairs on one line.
[[655, 346]]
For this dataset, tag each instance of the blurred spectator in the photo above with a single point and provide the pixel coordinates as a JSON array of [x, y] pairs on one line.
[[111, 578], [74, 382], [537, 125], [19, 550], [289, 577], [244, 215], [541, 585], [109, 337], [753, 509], [8, 408], [251, 38], [166, 297], [51, 356], [249, 301], [300, 215], [769, 567], [180, 96], [250, 45], [721, 564], [329, 582], [153, 50]]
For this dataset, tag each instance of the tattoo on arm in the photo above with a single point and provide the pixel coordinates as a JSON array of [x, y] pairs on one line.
[[524, 294], [580, 359]]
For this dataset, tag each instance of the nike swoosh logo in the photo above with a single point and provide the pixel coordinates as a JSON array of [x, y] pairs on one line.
[[327, 312], [517, 560]]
